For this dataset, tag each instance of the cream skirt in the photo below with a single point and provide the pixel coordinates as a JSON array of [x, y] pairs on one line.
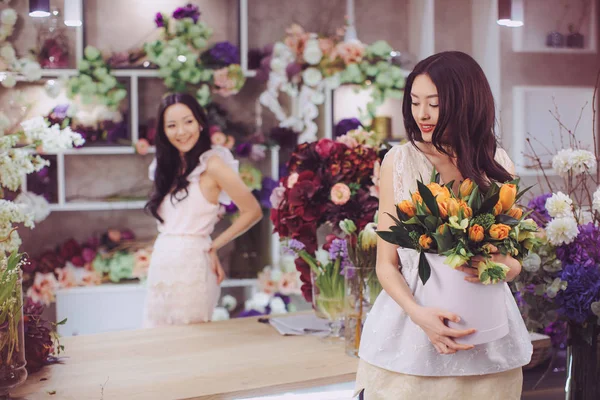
[[381, 384]]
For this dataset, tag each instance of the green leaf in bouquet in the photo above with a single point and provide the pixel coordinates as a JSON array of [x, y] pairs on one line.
[[415, 221], [429, 199], [444, 241], [522, 192], [431, 223], [400, 215], [506, 220], [434, 176], [488, 205], [396, 238], [475, 200], [449, 185], [494, 189], [424, 268]]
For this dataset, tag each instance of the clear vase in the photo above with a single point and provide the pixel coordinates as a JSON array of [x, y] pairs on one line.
[[12, 344], [362, 288], [333, 309], [315, 296], [583, 362]]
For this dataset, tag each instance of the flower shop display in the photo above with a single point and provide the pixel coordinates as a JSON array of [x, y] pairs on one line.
[[9, 60], [561, 284], [448, 228], [16, 162], [53, 43], [112, 257], [305, 65], [184, 61], [328, 182], [95, 84]]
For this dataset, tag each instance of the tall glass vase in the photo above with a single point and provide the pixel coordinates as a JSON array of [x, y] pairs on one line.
[[316, 293], [12, 344], [583, 362], [362, 288]]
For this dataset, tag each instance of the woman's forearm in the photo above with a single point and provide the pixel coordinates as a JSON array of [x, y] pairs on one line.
[[245, 221], [396, 287]]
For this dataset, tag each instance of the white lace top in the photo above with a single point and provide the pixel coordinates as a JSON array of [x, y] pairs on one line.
[[392, 341]]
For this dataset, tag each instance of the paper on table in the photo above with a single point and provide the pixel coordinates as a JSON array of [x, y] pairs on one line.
[[301, 325]]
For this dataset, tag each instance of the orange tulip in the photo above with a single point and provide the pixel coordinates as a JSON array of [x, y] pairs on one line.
[[476, 233], [508, 194], [467, 211], [425, 242], [407, 207], [416, 197], [466, 188], [515, 212], [440, 191], [499, 231], [497, 208]]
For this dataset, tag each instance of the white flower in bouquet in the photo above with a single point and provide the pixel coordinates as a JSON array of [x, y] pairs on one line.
[[322, 256], [562, 231], [596, 201], [312, 76], [559, 205], [582, 161], [277, 306], [312, 52], [7, 52], [36, 205], [573, 161], [9, 17], [220, 314], [229, 302], [278, 65], [287, 263]]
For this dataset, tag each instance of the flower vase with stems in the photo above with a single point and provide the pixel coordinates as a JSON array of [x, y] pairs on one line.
[[328, 278], [12, 344], [362, 285]]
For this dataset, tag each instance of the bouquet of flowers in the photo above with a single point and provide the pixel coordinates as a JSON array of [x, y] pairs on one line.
[[462, 225], [328, 183], [182, 61]]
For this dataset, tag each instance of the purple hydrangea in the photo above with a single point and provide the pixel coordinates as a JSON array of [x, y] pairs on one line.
[[346, 125], [189, 11], [225, 53], [583, 288], [585, 250], [538, 205], [159, 20], [292, 247]]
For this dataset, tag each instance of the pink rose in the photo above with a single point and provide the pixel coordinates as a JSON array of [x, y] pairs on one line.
[[142, 146], [218, 139], [324, 147], [340, 194], [277, 196], [292, 180], [265, 283]]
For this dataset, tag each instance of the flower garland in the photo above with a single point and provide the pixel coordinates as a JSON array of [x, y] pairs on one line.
[[180, 61], [304, 66]]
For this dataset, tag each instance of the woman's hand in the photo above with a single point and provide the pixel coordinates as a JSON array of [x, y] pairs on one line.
[[473, 274], [431, 320], [215, 265]]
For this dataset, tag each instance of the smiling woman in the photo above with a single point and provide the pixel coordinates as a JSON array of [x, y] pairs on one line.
[[191, 180]]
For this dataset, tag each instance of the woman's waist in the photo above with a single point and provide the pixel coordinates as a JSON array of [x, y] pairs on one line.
[[177, 240]]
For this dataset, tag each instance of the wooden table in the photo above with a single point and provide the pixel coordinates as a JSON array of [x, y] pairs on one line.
[[221, 360]]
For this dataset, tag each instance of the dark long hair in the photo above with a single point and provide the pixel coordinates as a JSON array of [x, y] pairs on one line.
[[466, 118], [167, 177]]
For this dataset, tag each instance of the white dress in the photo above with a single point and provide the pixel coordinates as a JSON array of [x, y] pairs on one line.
[[396, 354]]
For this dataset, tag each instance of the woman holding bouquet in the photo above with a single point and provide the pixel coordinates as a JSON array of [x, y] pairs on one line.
[[407, 350], [190, 180]]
